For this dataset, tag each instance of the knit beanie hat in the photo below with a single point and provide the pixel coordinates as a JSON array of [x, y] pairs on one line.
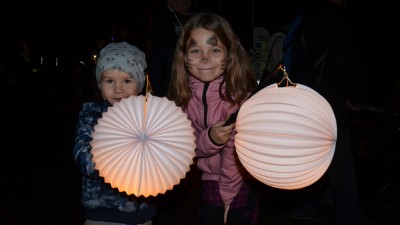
[[125, 57]]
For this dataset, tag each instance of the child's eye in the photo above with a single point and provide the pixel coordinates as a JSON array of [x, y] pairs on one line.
[[128, 81], [108, 81], [216, 50], [194, 51]]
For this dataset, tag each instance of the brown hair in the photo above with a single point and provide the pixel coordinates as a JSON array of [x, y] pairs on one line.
[[239, 75]]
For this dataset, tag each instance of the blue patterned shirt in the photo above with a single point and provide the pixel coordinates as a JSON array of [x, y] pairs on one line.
[[95, 192]]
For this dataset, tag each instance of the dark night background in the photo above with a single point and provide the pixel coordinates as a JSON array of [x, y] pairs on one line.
[[69, 29], [40, 183]]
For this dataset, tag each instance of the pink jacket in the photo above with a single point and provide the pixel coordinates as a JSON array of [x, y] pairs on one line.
[[219, 163]]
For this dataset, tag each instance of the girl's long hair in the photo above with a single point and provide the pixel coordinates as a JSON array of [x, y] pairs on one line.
[[239, 75]]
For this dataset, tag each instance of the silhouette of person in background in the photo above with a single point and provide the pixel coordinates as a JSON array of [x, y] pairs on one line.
[[165, 30], [326, 28]]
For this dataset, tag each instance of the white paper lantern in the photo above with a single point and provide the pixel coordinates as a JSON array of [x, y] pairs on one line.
[[143, 145], [286, 136]]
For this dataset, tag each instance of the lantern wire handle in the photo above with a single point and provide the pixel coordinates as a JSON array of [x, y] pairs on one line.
[[148, 85], [285, 78], [148, 90], [263, 83]]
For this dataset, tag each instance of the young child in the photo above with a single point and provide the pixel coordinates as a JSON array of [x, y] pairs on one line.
[[211, 77], [120, 74]]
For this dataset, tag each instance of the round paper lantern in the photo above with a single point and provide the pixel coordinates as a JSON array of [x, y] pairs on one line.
[[143, 145], [286, 136]]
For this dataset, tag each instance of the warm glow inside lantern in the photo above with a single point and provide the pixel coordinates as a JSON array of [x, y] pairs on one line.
[[286, 136], [143, 145]]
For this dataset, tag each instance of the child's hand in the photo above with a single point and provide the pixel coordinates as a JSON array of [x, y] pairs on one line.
[[220, 134]]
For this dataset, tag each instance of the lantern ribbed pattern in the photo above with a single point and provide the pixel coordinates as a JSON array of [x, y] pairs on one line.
[[143, 147], [286, 136]]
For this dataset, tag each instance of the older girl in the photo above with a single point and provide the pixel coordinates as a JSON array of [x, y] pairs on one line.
[[211, 77]]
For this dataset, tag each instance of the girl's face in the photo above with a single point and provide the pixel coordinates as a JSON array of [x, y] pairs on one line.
[[206, 56], [116, 84]]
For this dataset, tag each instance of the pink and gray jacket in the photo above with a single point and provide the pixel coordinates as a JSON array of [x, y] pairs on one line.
[[217, 162]]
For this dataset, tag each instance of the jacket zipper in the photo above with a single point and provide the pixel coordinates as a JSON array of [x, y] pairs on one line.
[[204, 100]]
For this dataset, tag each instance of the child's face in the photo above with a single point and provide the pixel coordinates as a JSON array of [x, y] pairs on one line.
[[116, 84], [206, 57]]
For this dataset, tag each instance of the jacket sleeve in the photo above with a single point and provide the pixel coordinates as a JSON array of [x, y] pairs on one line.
[[231, 178], [88, 116], [205, 147]]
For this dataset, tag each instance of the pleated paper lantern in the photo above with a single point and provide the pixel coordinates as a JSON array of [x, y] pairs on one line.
[[143, 145], [286, 136]]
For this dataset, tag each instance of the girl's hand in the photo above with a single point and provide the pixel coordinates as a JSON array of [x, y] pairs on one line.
[[220, 134]]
